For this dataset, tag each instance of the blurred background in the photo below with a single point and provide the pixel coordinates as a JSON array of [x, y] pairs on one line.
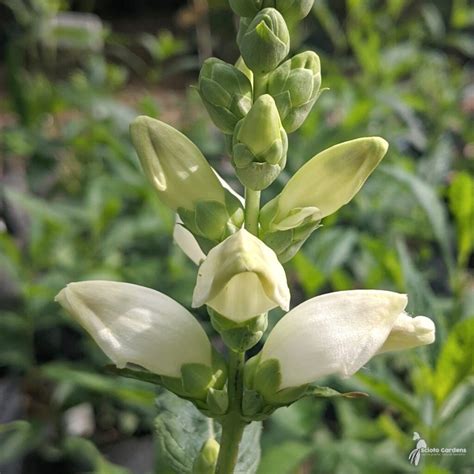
[[75, 206]]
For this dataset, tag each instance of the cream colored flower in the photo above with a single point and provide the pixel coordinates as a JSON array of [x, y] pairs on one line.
[[241, 278], [134, 324], [339, 332]]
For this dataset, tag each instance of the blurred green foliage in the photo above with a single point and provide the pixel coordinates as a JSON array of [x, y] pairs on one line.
[[74, 206]]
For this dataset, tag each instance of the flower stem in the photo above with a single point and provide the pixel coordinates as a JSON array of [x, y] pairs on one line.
[[252, 210], [232, 425]]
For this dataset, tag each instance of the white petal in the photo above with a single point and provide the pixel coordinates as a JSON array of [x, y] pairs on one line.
[[335, 333], [187, 242], [241, 253], [229, 188], [134, 324], [408, 332]]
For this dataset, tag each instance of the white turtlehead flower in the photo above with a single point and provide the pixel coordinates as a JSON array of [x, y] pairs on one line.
[[174, 165], [241, 278], [339, 332], [325, 183], [134, 324]]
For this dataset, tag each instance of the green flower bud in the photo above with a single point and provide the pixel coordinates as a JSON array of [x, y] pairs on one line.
[[292, 10], [246, 8], [226, 93], [206, 460], [295, 87], [266, 42], [260, 145], [185, 181]]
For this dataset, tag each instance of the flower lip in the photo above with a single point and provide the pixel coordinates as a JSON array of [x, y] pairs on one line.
[[241, 278]]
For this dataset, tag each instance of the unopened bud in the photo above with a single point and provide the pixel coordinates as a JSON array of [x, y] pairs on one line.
[[295, 87], [206, 460], [266, 41], [226, 93], [260, 145]]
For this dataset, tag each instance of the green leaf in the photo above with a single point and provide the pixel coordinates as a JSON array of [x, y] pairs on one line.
[[84, 450], [455, 361], [284, 458], [461, 203], [390, 394], [432, 205], [17, 438], [126, 390], [182, 431]]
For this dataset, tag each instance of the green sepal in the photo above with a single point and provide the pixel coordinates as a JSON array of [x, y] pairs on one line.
[[252, 404], [217, 401], [137, 374], [265, 378], [258, 176], [286, 244], [197, 379], [211, 222], [328, 392], [210, 218], [286, 234], [206, 461], [239, 336]]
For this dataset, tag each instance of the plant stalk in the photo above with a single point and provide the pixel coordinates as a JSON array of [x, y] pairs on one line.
[[252, 210], [232, 425]]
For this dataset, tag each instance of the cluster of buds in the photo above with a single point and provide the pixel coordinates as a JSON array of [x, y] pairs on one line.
[[240, 249], [261, 99]]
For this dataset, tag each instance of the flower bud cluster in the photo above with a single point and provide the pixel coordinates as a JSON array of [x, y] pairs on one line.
[[262, 98]]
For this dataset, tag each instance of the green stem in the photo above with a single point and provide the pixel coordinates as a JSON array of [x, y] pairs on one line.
[[232, 426], [259, 85], [252, 210]]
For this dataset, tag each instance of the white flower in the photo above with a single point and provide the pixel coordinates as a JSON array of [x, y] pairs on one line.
[[241, 278], [327, 181], [134, 324], [338, 333], [174, 165]]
